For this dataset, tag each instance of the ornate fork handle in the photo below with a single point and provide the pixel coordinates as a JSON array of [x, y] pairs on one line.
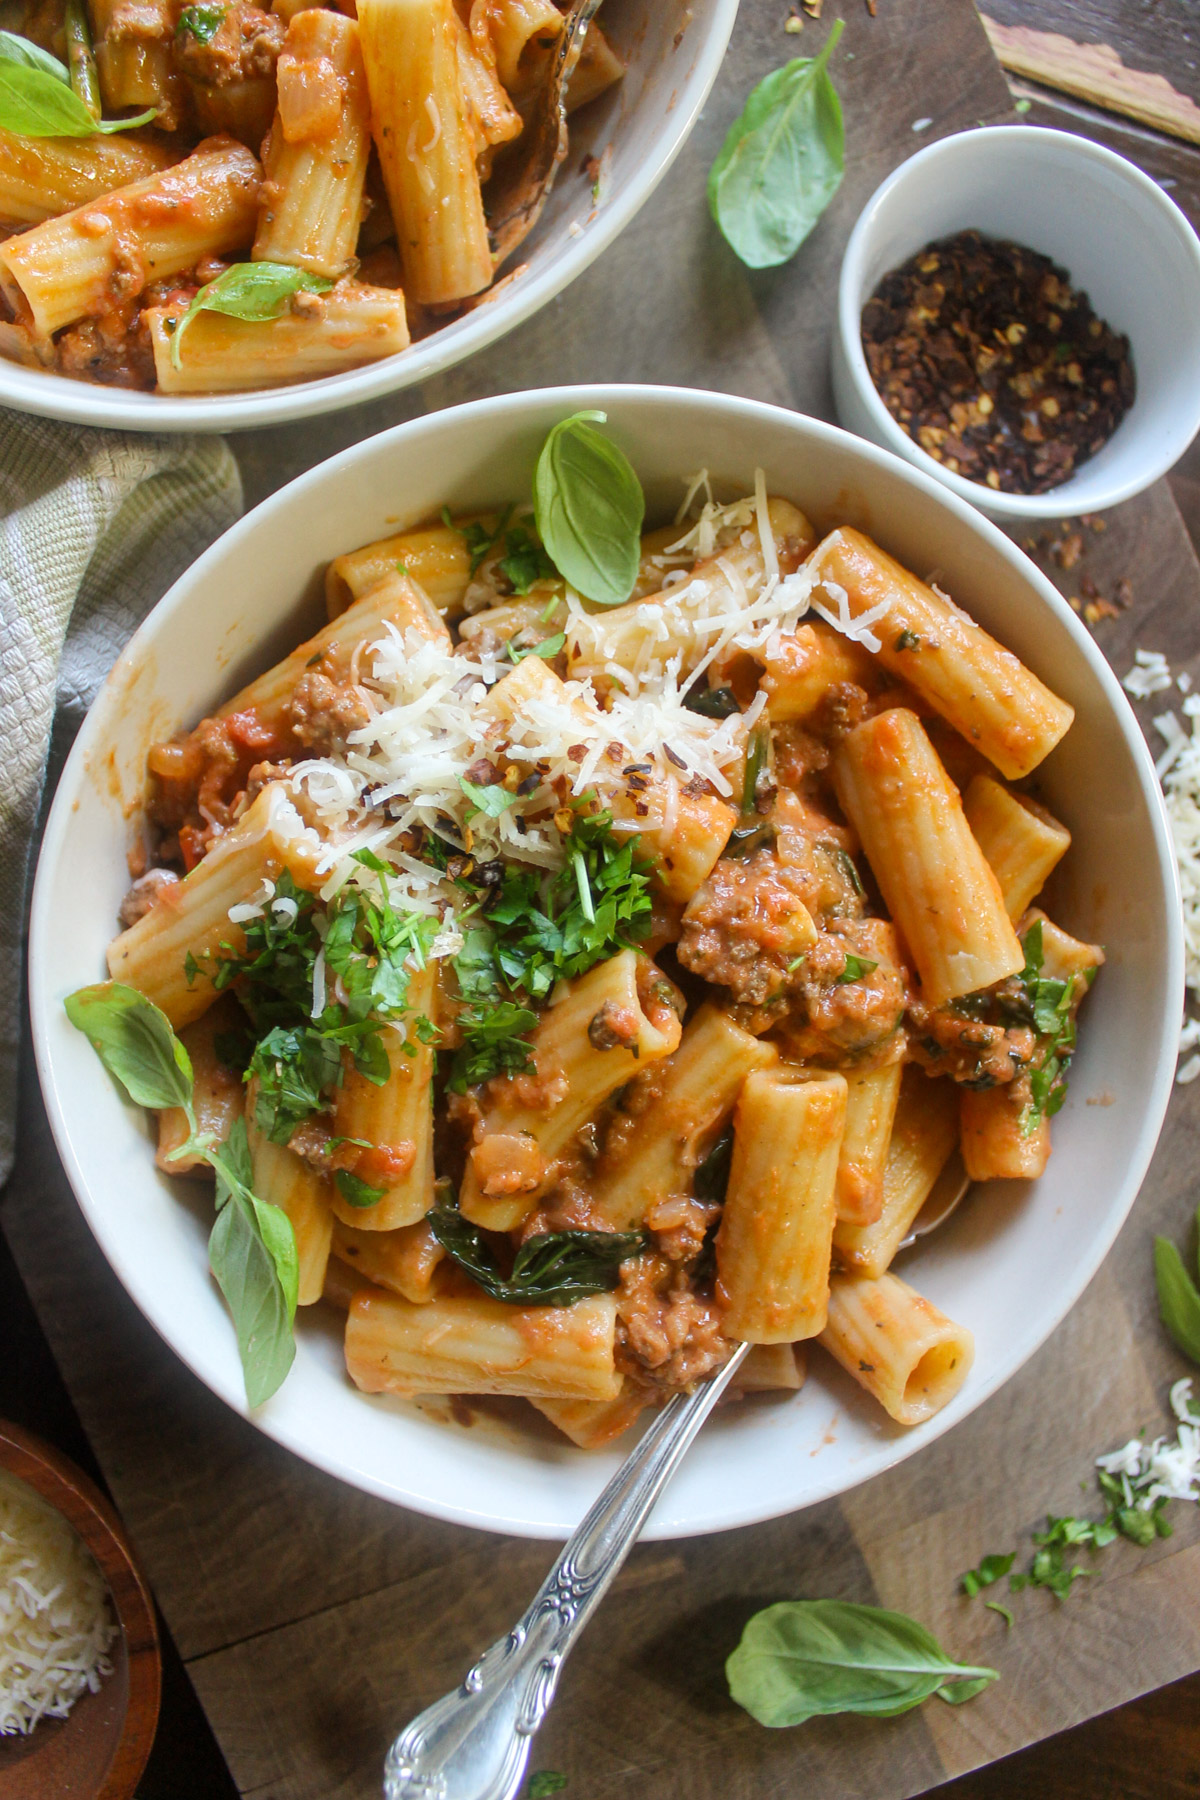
[[474, 1743]]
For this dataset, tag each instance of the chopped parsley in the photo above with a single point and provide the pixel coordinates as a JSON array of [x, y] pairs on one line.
[[856, 967], [200, 22], [712, 703], [540, 930], [990, 1569], [355, 1191], [1051, 1008], [370, 952], [548, 647], [908, 640], [524, 561]]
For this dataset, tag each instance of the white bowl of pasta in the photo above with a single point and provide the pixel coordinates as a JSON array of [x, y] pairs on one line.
[[629, 922], [326, 207]]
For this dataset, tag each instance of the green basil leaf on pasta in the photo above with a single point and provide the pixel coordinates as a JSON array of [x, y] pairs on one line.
[[135, 1042], [589, 507], [782, 161], [257, 291], [1178, 1300], [22, 50], [856, 968], [802, 1658], [36, 98], [355, 1191], [252, 1253]]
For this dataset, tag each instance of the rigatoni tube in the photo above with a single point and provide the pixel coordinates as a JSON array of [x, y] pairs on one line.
[[609, 1024], [394, 1122], [923, 1137], [773, 1246], [1022, 842], [931, 872], [315, 159], [897, 1345], [982, 689], [468, 1344], [43, 177], [426, 146], [320, 334], [692, 1093], [109, 249]]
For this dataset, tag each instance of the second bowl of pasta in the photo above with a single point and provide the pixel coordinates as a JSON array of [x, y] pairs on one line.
[[259, 213], [633, 843]]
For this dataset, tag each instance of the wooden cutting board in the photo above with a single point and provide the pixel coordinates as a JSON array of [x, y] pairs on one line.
[[315, 1620]]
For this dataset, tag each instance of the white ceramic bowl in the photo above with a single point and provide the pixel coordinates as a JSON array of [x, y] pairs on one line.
[[1010, 1265], [644, 121], [1119, 237]]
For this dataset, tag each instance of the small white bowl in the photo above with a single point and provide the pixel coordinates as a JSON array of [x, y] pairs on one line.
[[638, 127], [1119, 237], [1009, 1264]]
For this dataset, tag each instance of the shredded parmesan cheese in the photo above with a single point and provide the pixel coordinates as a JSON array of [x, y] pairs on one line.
[[56, 1625], [1165, 1469]]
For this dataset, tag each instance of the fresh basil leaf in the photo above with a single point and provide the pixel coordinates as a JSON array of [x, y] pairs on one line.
[[555, 1268], [801, 1658], [200, 22], [248, 1245], [355, 1191], [257, 291], [781, 163], [756, 762], [589, 507], [35, 102], [856, 967], [494, 1043], [492, 800], [1178, 1300], [712, 1175], [543, 1783], [956, 1692], [16, 49], [135, 1042]]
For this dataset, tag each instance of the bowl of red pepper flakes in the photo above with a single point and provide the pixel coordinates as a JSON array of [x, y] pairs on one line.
[[1019, 315]]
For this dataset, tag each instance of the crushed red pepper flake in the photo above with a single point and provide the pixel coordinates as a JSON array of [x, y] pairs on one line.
[[988, 358]]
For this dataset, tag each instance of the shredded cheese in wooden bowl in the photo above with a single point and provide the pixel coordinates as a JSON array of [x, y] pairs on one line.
[[56, 1618]]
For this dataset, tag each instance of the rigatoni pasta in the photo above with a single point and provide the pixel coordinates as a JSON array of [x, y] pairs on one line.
[[599, 989], [237, 243]]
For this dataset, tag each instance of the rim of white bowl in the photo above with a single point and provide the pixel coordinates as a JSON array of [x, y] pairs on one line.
[[84, 403], [998, 504], [610, 397]]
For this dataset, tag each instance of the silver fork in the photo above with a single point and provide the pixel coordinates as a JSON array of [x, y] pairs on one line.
[[474, 1743]]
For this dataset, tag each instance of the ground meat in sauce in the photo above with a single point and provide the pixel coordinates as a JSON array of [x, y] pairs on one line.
[[681, 1223], [113, 351], [245, 45], [980, 1053], [667, 1335], [746, 925], [322, 713], [840, 708], [142, 895]]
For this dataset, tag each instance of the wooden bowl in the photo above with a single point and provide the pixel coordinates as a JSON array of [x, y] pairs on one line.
[[99, 1750]]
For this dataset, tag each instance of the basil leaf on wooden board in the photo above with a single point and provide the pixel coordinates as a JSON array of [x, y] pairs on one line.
[[36, 98], [1178, 1300], [589, 507], [135, 1042], [257, 291], [782, 161], [555, 1268], [804, 1657]]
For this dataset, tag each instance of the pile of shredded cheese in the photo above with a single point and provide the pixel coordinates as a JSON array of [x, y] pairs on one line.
[[56, 1624], [635, 746], [1179, 771], [1168, 1468]]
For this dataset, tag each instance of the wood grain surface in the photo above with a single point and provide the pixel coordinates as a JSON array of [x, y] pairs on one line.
[[1095, 71], [313, 1619]]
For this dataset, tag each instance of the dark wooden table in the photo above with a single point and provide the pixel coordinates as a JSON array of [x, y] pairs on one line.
[[269, 1572]]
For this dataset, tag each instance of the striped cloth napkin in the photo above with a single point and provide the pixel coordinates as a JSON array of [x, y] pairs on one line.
[[94, 527]]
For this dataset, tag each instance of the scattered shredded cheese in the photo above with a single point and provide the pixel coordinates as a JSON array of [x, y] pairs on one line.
[[56, 1625], [1167, 1468], [1178, 769]]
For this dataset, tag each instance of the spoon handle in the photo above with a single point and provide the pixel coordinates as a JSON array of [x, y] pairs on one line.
[[474, 1743]]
